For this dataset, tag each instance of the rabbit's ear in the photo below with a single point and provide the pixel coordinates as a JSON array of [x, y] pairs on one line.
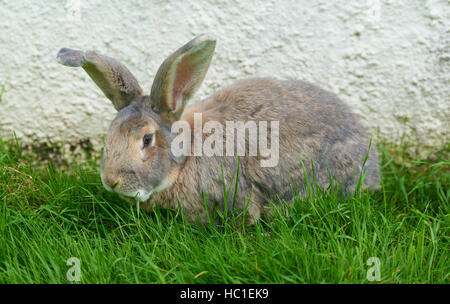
[[180, 75], [112, 77]]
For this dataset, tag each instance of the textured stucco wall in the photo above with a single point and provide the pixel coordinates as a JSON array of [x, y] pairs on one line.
[[389, 60]]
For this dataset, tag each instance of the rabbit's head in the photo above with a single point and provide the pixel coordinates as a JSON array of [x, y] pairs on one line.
[[137, 159]]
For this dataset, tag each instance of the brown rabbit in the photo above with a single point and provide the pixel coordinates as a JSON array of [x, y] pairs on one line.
[[315, 128]]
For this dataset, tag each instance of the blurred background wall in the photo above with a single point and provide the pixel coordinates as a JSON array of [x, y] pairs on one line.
[[389, 60]]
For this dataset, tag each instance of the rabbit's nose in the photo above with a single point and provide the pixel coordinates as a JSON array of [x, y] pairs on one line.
[[114, 185], [110, 182]]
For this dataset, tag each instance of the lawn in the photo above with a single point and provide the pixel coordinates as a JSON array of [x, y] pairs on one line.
[[51, 213]]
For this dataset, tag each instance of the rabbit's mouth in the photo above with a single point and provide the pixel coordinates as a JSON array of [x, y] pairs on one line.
[[141, 196]]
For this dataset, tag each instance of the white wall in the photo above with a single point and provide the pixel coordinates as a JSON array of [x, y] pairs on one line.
[[388, 59]]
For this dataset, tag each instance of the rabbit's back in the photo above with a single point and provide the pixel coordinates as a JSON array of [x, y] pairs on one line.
[[314, 125]]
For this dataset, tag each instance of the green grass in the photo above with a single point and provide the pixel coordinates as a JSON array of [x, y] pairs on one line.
[[49, 215]]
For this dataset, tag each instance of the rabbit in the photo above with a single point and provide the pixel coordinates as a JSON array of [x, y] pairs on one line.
[[318, 137]]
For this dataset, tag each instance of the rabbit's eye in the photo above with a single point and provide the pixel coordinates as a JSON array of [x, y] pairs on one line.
[[147, 140]]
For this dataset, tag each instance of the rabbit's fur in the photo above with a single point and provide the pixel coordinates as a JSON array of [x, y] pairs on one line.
[[315, 128]]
